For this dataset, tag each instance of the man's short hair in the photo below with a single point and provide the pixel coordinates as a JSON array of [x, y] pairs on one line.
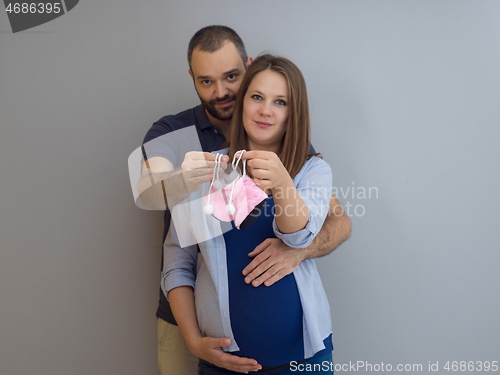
[[212, 38]]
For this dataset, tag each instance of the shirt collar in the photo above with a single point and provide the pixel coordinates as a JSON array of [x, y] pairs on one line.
[[201, 118]]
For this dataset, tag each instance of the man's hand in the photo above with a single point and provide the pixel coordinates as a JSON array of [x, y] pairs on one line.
[[209, 349], [272, 261], [198, 168]]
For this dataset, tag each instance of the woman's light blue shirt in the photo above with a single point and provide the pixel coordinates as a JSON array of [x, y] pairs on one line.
[[206, 272]]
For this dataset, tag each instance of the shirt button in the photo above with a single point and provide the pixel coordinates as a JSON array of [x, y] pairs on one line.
[[216, 131]]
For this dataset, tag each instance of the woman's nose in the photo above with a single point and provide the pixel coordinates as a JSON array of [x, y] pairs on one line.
[[265, 109]]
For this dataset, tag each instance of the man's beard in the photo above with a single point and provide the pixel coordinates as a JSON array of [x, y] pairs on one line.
[[222, 114]]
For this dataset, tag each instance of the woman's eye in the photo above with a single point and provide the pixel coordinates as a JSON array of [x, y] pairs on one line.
[[280, 102], [256, 97]]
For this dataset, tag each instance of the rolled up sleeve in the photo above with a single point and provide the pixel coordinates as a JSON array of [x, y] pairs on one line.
[[179, 264], [314, 184]]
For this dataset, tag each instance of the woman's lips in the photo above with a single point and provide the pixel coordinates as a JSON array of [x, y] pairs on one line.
[[263, 124]]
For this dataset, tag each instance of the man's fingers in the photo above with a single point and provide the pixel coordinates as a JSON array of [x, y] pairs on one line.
[[258, 258], [263, 267], [253, 266], [269, 280], [259, 248], [272, 272], [272, 261]]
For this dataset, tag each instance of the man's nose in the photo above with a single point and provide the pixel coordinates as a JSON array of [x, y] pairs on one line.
[[220, 90]]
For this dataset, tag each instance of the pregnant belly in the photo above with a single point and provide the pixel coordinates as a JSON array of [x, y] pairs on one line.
[[266, 321]]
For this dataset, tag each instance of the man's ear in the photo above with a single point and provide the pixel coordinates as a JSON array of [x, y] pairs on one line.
[[249, 61], [191, 73]]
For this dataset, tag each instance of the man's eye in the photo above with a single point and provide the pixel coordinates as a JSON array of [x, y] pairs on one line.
[[206, 82], [231, 77], [280, 102]]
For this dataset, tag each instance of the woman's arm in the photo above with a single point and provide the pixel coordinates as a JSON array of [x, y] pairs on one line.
[[302, 204], [271, 176], [178, 282], [161, 186], [208, 348]]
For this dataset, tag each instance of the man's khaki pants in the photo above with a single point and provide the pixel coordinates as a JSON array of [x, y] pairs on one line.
[[174, 358]]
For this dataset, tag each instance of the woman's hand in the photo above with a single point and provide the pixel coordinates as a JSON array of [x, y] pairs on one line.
[[267, 170], [210, 349], [270, 175], [198, 168]]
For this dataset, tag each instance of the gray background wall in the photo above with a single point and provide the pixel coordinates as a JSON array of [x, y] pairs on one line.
[[404, 98]]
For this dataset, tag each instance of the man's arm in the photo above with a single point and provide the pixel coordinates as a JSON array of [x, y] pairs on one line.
[[273, 259], [335, 230], [208, 348]]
